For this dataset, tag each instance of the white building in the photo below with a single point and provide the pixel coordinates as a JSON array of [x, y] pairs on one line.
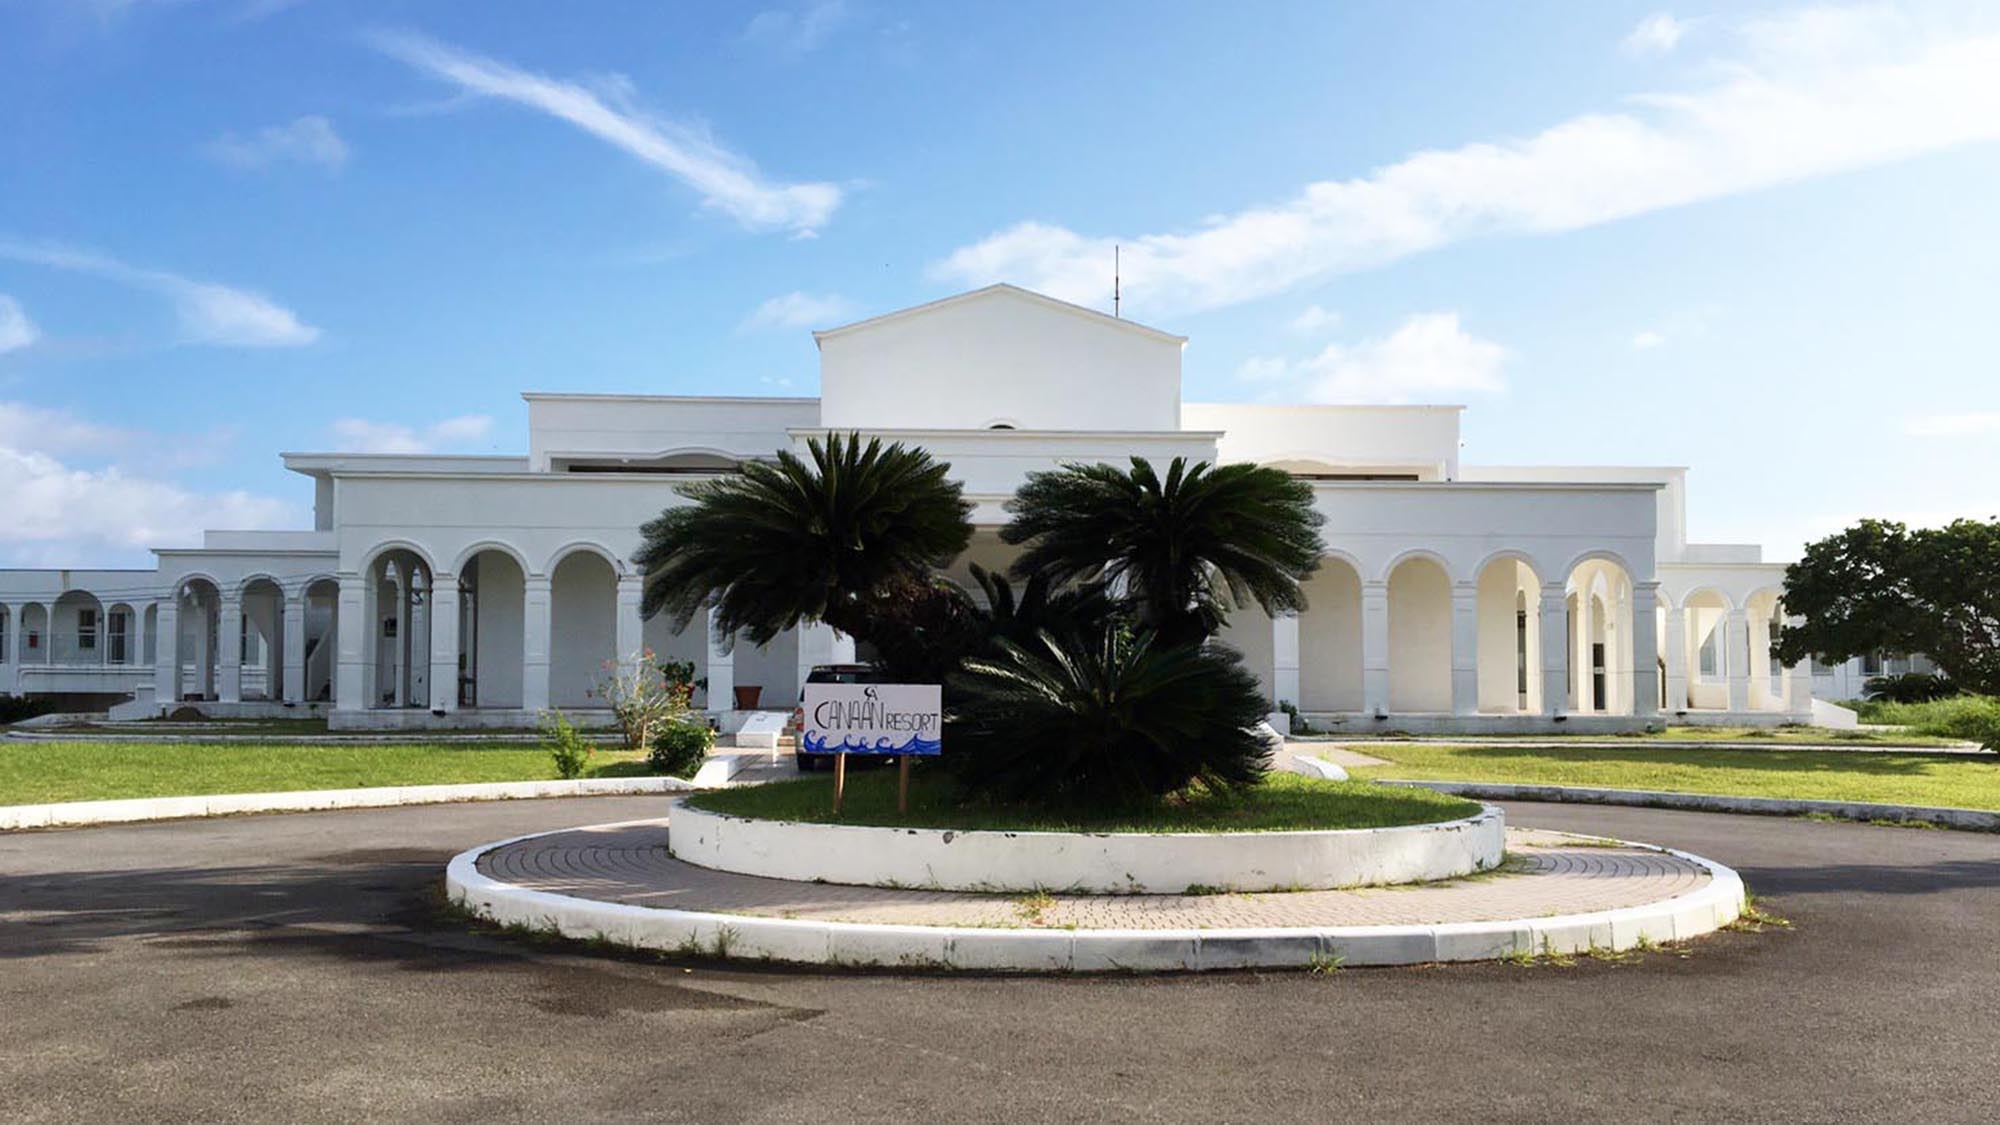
[[1452, 596]]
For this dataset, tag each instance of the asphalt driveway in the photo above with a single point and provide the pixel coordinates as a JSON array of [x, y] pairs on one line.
[[293, 968]]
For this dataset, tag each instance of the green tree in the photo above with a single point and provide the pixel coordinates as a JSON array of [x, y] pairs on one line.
[[1185, 549], [1880, 586], [852, 535]]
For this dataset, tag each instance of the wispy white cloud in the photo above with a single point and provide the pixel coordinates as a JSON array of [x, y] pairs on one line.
[[1647, 340], [209, 313], [1314, 319], [1428, 356], [74, 497], [793, 32], [726, 181], [1657, 34], [16, 330], [1802, 96], [797, 310], [1968, 423], [306, 140], [359, 435]]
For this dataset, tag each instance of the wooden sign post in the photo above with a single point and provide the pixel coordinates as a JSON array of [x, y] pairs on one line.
[[880, 720]]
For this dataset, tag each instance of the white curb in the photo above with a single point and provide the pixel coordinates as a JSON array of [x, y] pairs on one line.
[[751, 937], [1976, 820], [77, 813]]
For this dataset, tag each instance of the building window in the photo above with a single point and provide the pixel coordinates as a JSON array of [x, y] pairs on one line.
[[1871, 663], [86, 630], [115, 627], [1710, 664]]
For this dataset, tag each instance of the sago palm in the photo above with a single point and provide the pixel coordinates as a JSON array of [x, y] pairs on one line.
[[835, 536], [1116, 720], [1185, 548]]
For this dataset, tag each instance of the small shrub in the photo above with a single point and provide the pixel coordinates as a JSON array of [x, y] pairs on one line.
[[568, 748], [680, 747], [1911, 687], [14, 708], [645, 696], [1974, 718]]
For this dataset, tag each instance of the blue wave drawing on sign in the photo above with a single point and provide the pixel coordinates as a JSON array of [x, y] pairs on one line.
[[914, 745]]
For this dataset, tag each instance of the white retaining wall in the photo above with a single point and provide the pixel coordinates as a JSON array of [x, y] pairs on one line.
[[1098, 863]]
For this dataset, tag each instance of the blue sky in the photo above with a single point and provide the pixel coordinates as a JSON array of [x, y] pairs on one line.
[[1755, 241]]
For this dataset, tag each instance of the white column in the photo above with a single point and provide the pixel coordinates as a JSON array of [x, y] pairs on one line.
[[1645, 648], [444, 642], [536, 624], [1736, 658], [405, 635], [354, 647], [1555, 649], [204, 654], [166, 653], [229, 641], [294, 633], [1375, 647], [1799, 682], [815, 648], [1677, 659], [721, 669], [1285, 660], [1465, 649], [631, 626]]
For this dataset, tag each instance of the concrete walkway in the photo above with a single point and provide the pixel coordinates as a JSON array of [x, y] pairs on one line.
[[1554, 875]]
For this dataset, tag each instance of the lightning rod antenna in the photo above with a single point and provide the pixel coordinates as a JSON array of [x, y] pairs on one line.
[[1114, 280]]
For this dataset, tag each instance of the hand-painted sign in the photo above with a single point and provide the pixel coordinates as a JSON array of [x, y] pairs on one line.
[[873, 719]]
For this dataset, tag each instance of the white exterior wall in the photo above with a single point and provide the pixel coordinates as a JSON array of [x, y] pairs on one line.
[[595, 427], [999, 356], [1352, 439]]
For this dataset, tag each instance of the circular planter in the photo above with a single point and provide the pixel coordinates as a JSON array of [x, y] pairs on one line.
[[1087, 862]]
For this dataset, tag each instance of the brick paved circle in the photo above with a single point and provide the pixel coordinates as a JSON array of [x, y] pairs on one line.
[[1548, 874]]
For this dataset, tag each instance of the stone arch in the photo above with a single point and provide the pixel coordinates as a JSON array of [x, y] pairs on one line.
[[123, 641], [519, 556], [492, 585], [262, 668], [373, 558], [397, 583], [563, 553], [243, 587], [1425, 553], [1509, 642], [33, 630], [1524, 557], [321, 596], [1763, 610], [1420, 633], [198, 597], [1598, 554], [583, 623], [1330, 636], [76, 628], [1602, 658]]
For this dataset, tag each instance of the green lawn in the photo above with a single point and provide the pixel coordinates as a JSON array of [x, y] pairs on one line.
[[1959, 781], [1678, 735], [39, 772], [1283, 801]]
